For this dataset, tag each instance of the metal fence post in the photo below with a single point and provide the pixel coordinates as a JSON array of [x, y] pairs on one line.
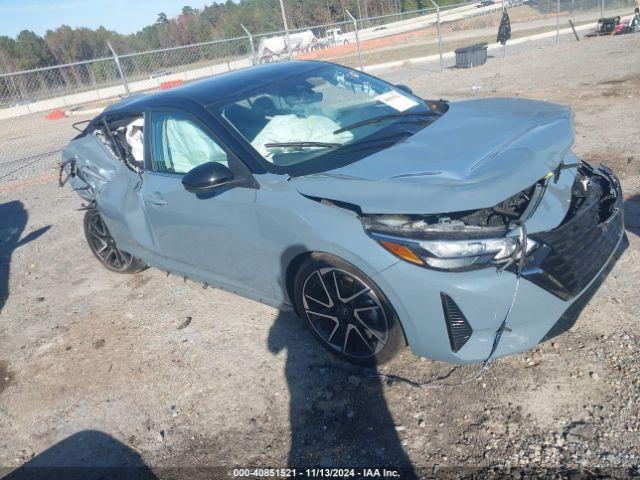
[[355, 29], [253, 50], [557, 21], [286, 29], [504, 48], [120, 71], [439, 35]]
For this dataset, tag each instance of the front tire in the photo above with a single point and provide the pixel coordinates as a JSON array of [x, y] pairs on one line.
[[104, 247], [346, 311]]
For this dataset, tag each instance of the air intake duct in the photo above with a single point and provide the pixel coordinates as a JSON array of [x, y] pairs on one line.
[[458, 328]]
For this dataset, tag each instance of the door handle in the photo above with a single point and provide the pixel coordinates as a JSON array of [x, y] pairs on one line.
[[156, 199]]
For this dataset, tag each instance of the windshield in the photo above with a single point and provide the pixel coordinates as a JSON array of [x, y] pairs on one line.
[[323, 114]]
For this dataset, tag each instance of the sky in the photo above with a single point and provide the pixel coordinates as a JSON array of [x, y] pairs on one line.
[[123, 16]]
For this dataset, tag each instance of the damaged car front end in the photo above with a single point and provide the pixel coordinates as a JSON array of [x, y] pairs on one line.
[[560, 268]]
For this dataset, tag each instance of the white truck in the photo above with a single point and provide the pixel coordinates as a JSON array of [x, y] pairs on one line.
[[334, 36]]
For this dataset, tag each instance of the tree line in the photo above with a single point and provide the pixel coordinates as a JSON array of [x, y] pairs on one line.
[[216, 21]]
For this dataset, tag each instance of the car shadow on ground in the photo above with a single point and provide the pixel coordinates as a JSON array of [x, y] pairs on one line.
[[338, 414], [86, 455], [13, 220], [632, 214]]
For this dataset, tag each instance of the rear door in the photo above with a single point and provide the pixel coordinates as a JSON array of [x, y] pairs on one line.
[[108, 174], [213, 237]]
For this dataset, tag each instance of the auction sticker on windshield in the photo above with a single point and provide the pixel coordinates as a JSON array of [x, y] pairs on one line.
[[397, 101]]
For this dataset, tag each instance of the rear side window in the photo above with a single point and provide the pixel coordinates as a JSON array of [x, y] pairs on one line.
[[123, 135], [180, 145]]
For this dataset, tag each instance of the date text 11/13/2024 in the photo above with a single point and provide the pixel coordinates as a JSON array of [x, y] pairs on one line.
[[316, 472]]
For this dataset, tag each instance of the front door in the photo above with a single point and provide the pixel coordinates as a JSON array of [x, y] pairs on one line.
[[212, 237]]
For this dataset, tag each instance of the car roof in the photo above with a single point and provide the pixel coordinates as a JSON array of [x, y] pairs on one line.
[[214, 89]]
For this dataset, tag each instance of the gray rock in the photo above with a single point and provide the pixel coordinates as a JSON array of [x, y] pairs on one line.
[[579, 431]]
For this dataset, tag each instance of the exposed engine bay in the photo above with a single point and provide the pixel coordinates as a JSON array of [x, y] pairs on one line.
[[494, 221]]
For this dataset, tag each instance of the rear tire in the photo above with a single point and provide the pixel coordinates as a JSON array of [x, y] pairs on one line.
[[104, 247], [346, 311]]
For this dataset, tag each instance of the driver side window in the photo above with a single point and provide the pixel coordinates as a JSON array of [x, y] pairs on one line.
[[179, 144]]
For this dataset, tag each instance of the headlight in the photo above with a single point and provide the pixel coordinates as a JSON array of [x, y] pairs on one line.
[[453, 255], [464, 240]]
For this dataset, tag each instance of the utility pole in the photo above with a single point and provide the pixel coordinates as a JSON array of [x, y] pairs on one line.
[[286, 27]]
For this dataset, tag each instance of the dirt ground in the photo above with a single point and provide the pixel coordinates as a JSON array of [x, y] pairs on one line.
[[100, 369]]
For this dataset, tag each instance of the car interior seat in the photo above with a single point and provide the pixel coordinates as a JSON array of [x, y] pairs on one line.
[[248, 122], [265, 107]]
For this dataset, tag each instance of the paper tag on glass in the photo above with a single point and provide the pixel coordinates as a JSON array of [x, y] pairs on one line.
[[397, 101]]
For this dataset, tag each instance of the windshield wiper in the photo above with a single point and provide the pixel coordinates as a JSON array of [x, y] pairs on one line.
[[381, 118], [371, 143], [303, 144]]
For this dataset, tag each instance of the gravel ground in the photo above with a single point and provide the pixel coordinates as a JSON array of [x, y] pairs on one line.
[[103, 369]]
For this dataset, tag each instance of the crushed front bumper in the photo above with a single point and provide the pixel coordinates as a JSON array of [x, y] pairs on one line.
[[571, 255], [575, 258], [558, 279]]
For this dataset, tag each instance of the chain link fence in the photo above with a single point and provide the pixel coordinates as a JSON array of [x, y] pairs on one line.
[[424, 39], [22, 89]]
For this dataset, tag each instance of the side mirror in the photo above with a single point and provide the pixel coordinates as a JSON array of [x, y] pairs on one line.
[[404, 88], [207, 177]]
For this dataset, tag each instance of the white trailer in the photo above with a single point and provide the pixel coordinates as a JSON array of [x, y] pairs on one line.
[[273, 48]]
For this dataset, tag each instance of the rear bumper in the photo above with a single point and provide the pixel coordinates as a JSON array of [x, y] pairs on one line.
[[558, 281]]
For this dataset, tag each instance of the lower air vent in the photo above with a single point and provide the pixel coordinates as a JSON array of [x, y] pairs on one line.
[[458, 328]]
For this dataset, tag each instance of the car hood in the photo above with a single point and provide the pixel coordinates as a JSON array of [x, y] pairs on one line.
[[476, 155]]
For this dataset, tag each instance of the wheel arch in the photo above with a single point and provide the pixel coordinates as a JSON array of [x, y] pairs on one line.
[[290, 275], [296, 262]]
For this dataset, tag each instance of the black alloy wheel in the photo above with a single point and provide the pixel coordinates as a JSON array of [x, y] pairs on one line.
[[346, 311], [104, 246]]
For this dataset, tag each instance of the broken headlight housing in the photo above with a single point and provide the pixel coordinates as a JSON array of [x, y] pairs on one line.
[[458, 241]]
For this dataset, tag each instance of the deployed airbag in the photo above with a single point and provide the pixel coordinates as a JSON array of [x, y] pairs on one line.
[[186, 146], [135, 139], [291, 128]]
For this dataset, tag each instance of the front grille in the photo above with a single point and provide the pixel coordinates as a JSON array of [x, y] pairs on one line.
[[458, 328], [570, 256], [570, 316]]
